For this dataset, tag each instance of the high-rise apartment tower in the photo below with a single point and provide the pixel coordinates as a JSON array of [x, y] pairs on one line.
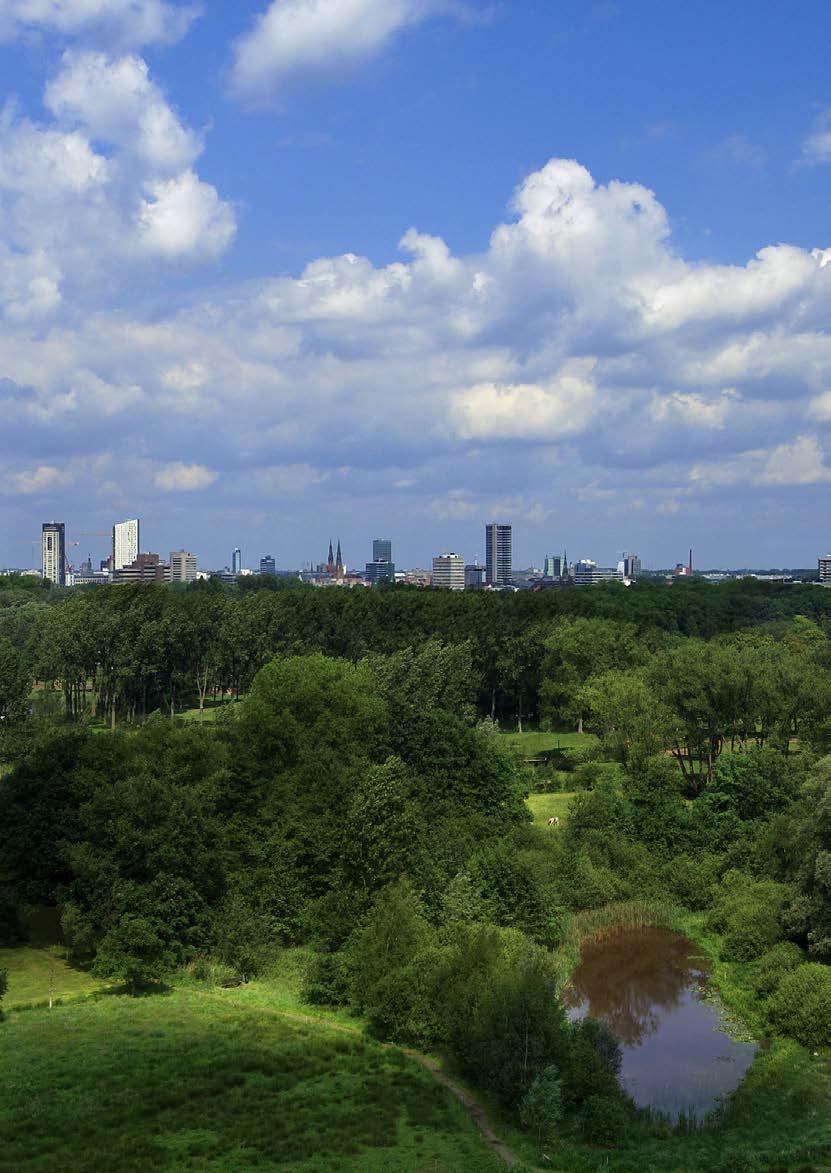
[[236, 561], [498, 554], [53, 552]]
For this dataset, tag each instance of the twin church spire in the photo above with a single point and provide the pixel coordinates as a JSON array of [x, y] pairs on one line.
[[334, 565]]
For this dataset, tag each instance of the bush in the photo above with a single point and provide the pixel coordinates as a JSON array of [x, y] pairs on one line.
[[690, 879], [4, 985], [801, 1007], [394, 933], [329, 979], [514, 1029], [589, 775], [590, 1070], [767, 972], [747, 912], [592, 886], [134, 951], [205, 971], [406, 1004], [755, 783], [603, 1120], [542, 1105]]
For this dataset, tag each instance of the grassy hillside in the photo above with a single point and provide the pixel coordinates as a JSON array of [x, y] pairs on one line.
[[189, 1080], [34, 973]]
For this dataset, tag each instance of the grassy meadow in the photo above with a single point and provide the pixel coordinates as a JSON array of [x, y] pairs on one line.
[[533, 742], [548, 806], [35, 973], [200, 1080]]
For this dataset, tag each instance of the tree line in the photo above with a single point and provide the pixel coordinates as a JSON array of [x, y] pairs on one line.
[[686, 669]]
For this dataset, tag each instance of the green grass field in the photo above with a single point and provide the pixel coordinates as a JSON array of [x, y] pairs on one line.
[[532, 743], [210, 714], [33, 972], [190, 1080], [547, 806]]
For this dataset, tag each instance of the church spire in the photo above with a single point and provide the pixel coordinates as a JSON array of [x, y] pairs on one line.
[[339, 562]]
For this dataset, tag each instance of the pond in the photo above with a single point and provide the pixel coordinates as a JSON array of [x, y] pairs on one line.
[[648, 986]]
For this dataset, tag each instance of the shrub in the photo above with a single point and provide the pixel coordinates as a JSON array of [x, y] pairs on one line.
[[4, 985], [514, 1029], [801, 1007], [394, 933], [592, 886], [329, 978], [542, 1105], [603, 1042], [134, 951], [756, 782], [588, 775], [603, 1120], [767, 971], [406, 1003], [690, 879], [205, 971], [589, 1071], [747, 911]]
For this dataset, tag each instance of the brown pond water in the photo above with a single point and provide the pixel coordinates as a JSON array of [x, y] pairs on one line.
[[647, 985]]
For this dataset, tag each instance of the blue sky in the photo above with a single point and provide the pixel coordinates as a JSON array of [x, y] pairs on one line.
[[271, 272]]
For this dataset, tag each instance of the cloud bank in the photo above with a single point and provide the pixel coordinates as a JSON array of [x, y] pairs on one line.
[[127, 23], [578, 358]]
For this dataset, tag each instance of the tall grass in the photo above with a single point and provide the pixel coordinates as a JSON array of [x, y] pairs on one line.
[[599, 924]]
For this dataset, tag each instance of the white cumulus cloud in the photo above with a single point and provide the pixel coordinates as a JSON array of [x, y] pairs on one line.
[[37, 480], [125, 22], [184, 478], [527, 411], [185, 217], [115, 101], [299, 39]]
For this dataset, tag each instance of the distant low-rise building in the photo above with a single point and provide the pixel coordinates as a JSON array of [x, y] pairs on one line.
[[182, 566], [586, 572], [474, 577], [379, 570], [144, 568], [449, 572]]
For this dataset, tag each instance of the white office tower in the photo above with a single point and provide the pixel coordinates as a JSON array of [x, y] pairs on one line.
[[126, 543], [449, 572]]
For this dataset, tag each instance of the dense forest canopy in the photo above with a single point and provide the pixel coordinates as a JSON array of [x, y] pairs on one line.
[[354, 795]]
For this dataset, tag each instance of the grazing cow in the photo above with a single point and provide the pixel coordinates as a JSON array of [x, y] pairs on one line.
[[554, 822]]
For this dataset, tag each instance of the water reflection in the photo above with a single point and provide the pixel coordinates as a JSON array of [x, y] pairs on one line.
[[646, 984]]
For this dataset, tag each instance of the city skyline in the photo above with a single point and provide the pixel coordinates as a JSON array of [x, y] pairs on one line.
[[497, 551], [424, 288]]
